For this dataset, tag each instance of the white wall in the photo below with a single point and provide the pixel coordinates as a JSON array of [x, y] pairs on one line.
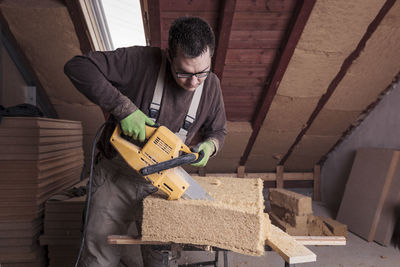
[[380, 129]]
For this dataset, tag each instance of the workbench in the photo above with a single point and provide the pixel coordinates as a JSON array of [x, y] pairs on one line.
[[291, 249]]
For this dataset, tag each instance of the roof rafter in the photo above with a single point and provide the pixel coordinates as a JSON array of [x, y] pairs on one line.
[[80, 25], [300, 17], [154, 22], [224, 33]]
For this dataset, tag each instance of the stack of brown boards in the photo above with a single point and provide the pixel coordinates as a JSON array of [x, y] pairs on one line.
[[371, 195], [63, 223], [38, 158]]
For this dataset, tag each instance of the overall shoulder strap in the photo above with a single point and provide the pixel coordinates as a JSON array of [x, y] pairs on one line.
[[158, 91], [157, 97], [191, 115]]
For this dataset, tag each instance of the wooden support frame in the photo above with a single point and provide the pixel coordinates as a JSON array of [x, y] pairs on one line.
[[279, 176], [241, 171], [291, 248], [317, 177], [304, 240]]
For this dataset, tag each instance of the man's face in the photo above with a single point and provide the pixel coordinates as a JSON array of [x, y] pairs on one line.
[[185, 66]]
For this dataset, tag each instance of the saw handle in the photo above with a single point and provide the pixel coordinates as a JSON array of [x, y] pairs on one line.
[[169, 164], [149, 131]]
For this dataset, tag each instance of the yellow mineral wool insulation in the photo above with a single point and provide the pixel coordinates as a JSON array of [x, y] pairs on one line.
[[234, 221]]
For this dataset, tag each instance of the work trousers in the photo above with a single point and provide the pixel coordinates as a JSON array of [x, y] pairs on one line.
[[116, 204]]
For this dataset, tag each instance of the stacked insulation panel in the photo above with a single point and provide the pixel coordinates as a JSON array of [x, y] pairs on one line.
[[63, 222], [38, 158]]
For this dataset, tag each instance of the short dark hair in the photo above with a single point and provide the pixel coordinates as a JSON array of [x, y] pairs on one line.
[[193, 35]]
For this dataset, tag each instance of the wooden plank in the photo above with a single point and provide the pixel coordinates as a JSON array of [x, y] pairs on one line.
[[248, 70], [303, 240], [262, 5], [288, 248], [243, 82], [188, 6], [266, 24], [250, 56], [321, 240]]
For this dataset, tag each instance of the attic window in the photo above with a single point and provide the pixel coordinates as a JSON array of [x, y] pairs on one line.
[[114, 23]]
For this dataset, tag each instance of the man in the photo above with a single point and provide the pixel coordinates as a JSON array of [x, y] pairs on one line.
[[122, 83]]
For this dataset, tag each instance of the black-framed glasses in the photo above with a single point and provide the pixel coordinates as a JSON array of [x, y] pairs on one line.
[[186, 75]]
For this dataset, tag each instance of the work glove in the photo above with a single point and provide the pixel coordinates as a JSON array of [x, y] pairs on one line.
[[134, 125], [207, 148]]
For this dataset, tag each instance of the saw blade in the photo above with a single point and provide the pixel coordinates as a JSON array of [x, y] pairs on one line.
[[195, 191]]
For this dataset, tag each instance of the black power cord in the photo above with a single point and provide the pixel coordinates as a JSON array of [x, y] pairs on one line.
[[89, 190]]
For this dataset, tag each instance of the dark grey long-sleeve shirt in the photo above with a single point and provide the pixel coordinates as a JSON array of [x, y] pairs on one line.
[[123, 80]]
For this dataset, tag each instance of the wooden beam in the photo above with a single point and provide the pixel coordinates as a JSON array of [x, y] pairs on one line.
[[316, 187], [241, 171], [80, 25], [301, 15], [340, 75], [224, 33], [154, 18], [279, 176], [144, 6]]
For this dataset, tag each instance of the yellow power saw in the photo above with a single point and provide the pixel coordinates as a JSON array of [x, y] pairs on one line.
[[159, 161]]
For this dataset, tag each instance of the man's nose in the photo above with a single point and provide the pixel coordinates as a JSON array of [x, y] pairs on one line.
[[194, 81]]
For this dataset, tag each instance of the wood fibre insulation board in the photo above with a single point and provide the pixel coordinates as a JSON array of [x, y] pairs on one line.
[[368, 76], [371, 180], [332, 32], [228, 157], [387, 219], [296, 203], [234, 221]]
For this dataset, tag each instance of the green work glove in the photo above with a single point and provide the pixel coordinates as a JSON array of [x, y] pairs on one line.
[[134, 125], [208, 149]]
